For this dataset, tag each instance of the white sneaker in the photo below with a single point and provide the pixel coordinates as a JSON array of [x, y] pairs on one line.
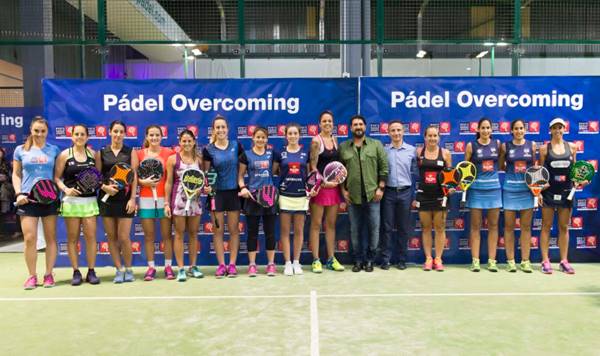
[[288, 270], [297, 267]]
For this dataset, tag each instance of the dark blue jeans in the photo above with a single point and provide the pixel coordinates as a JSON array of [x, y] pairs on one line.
[[361, 215], [395, 213]]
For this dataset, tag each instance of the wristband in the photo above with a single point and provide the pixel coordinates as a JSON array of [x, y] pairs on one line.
[[243, 187]]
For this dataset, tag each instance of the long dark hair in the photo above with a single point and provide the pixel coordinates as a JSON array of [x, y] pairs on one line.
[[479, 125], [513, 123], [189, 132]]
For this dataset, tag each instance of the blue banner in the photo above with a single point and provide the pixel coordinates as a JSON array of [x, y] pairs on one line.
[[455, 105]]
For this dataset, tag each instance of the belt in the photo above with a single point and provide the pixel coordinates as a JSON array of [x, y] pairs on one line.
[[398, 189]]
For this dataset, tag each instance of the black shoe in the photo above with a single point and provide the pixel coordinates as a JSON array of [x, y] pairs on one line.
[[77, 278], [91, 277], [369, 267], [385, 266], [357, 267], [401, 265]]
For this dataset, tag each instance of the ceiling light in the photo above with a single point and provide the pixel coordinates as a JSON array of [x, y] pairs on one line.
[[481, 54]]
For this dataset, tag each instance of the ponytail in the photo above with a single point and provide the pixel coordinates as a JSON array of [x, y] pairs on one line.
[[146, 142]]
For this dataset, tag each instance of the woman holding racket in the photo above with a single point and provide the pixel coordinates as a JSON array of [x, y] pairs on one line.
[[117, 212], [557, 156], [188, 158], [431, 160], [149, 209], [79, 208], [323, 150], [293, 200], [222, 155], [485, 193], [260, 162], [33, 161], [517, 155]]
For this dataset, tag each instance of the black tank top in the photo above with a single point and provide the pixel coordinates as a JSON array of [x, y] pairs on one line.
[[428, 172], [109, 160], [559, 166], [73, 167], [326, 156]]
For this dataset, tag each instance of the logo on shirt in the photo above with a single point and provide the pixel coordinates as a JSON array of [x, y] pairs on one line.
[[294, 168], [488, 165], [520, 166], [430, 177]]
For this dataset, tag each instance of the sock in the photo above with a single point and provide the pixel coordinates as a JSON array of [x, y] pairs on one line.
[[296, 262], [167, 263], [151, 264]]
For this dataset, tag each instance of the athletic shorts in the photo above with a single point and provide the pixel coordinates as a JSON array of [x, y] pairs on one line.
[[79, 207], [38, 210]]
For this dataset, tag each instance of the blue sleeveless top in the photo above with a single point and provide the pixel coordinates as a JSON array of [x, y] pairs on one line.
[[518, 159], [485, 158]]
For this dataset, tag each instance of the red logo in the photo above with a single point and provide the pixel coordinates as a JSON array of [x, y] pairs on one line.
[[100, 131], [103, 247], [591, 203], [501, 241], [414, 128], [567, 126], [343, 207], [593, 126], [517, 222], [136, 246], [459, 223], [226, 246], [193, 128], [535, 242], [594, 162], [579, 144], [69, 131], [415, 243], [251, 129], [313, 130], [280, 130], [294, 168], [241, 227], [131, 131], [161, 246], [591, 241], [165, 131], [488, 165], [444, 127], [12, 137], [78, 247], [447, 244], [484, 224], [383, 127], [459, 146], [342, 245], [577, 222], [534, 126], [342, 130], [208, 227], [473, 126], [504, 126], [430, 177]]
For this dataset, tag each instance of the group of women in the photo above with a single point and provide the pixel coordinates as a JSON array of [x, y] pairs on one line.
[[486, 193], [38, 159]]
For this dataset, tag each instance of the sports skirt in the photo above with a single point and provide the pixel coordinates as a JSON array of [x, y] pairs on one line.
[[146, 208], [113, 208], [38, 210], [79, 207], [554, 199], [327, 197], [484, 199], [293, 205], [517, 200], [226, 200]]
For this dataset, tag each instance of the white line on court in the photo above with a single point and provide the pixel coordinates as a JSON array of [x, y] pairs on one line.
[[302, 296], [314, 324]]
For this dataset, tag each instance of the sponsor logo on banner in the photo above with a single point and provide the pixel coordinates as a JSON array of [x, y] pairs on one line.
[[467, 128], [444, 127], [501, 243], [533, 127], [165, 131], [464, 243], [580, 145], [281, 130], [342, 130], [576, 223], [192, 128], [101, 131], [588, 127], [242, 132], [412, 128], [554, 243], [587, 204], [272, 131], [342, 246], [103, 248], [536, 224], [136, 247], [459, 224], [312, 130], [379, 129], [414, 244], [137, 229], [9, 138], [457, 147], [594, 162], [62, 249], [131, 132], [590, 241], [503, 127], [447, 244], [535, 243]]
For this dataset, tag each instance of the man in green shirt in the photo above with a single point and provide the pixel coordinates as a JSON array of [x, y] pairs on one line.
[[366, 162]]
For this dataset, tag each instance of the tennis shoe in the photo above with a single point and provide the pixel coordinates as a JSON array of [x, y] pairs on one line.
[[221, 271], [30, 283], [565, 267], [317, 267]]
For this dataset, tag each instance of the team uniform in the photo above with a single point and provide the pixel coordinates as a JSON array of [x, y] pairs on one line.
[[292, 182], [260, 173], [429, 191], [85, 204], [559, 167], [225, 163], [485, 192], [327, 196], [515, 193], [115, 206], [37, 164], [146, 208], [178, 197]]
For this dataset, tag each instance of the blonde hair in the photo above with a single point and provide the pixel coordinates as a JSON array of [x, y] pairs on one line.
[[213, 134], [29, 140], [146, 142]]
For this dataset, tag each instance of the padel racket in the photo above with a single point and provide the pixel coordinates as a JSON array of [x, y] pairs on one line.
[[151, 168], [265, 196], [44, 191], [88, 180], [448, 178], [211, 179], [120, 174], [582, 171], [313, 182], [192, 181], [468, 173], [335, 172], [536, 179]]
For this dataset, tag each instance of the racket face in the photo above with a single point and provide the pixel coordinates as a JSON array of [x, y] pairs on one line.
[[536, 176], [89, 180], [468, 173], [582, 171], [448, 179], [44, 191], [335, 172], [266, 196], [192, 180], [150, 167], [122, 174], [313, 181]]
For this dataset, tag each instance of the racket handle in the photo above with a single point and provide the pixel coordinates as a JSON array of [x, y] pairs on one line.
[[535, 201], [571, 194], [187, 205], [105, 197], [154, 195], [464, 196], [444, 200]]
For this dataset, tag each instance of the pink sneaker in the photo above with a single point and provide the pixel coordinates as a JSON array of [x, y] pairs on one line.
[[221, 271], [30, 283], [438, 265], [252, 271], [49, 281], [428, 265], [231, 271], [169, 274], [150, 274], [566, 267], [546, 267], [271, 270]]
